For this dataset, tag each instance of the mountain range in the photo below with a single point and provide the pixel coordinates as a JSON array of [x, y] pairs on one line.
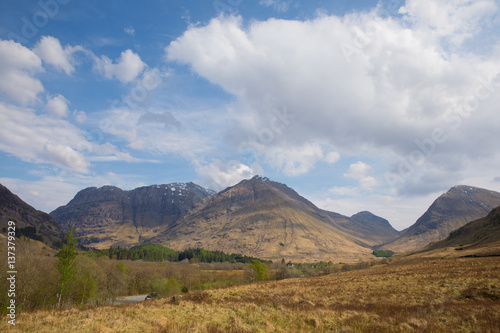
[[256, 217]]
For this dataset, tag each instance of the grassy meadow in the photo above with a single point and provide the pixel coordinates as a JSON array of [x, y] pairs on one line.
[[407, 295]]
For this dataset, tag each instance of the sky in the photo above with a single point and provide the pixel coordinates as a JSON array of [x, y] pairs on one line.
[[357, 105]]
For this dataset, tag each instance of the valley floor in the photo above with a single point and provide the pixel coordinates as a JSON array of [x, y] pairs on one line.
[[424, 295]]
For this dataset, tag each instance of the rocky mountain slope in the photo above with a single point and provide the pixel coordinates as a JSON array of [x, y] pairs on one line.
[[269, 220], [474, 234], [109, 216], [13, 208], [452, 210]]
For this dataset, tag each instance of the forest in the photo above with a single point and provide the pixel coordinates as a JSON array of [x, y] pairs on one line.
[[155, 252]]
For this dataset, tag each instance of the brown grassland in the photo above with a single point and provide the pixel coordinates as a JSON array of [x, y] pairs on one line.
[[407, 295]]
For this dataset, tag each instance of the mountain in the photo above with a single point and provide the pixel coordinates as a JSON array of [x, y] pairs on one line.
[[12, 208], [109, 216], [269, 220], [473, 235], [374, 228], [452, 210]]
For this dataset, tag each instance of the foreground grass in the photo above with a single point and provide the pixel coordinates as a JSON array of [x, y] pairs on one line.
[[448, 295]]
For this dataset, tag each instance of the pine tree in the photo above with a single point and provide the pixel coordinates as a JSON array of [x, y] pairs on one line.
[[67, 265]]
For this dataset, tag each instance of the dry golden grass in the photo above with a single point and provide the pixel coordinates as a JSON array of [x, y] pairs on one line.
[[423, 295]]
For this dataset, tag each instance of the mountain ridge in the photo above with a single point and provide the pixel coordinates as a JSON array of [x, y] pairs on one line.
[[455, 208], [109, 216]]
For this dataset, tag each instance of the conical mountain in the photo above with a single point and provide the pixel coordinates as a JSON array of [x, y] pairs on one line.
[[109, 216], [30, 222], [452, 210], [374, 229], [269, 220]]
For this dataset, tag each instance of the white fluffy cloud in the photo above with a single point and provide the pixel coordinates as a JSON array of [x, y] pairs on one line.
[[360, 171], [40, 138], [18, 65], [46, 139], [57, 106], [126, 68], [364, 84], [298, 160], [49, 49], [218, 175]]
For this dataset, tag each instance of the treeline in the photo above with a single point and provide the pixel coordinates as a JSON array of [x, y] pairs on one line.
[[29, 232], [159, 253]]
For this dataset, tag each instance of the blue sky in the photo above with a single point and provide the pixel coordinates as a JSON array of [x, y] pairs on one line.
[[357, 105]]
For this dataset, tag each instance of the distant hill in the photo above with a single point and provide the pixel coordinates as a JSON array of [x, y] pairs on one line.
[[109, 216], [30, 222], [375, 229], [452, 210], [474, 234], [269, 220]]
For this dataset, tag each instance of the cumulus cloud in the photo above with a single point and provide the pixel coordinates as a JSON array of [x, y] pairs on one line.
[[218, 175], [18, 65], [49, 49], [57, 106], [297, 160], [42, 138], [65, 156], [126, 68], [360, 171], [363, 83]]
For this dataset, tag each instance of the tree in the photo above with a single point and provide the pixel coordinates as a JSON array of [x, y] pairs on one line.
[[66, 265], [257, 271]]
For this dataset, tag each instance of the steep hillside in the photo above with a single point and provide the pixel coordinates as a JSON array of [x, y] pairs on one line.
[[15, 209], [474, 234], [109, 216], [268, 220], [452, 210]]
